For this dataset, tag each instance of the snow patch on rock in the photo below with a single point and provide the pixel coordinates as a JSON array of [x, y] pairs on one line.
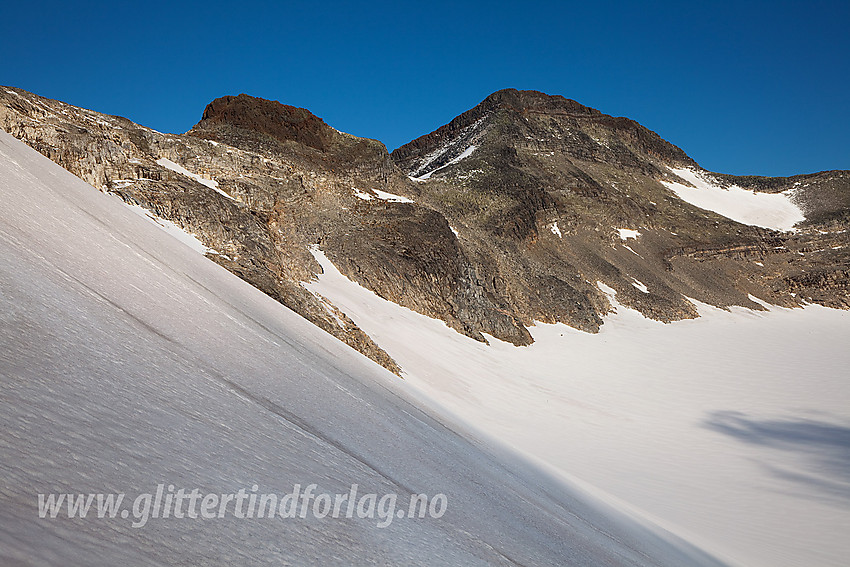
[[775, 211]]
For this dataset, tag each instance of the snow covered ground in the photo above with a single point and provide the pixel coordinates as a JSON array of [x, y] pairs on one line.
[[127, 360], [768, 210], [731, 430]]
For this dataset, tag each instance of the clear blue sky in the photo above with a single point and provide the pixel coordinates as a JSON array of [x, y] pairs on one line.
[[745, 88]]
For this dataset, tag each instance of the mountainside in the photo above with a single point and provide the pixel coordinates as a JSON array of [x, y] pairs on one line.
[[729, 430], [128, 361], [123, 349], [552, 195], [522, 209]]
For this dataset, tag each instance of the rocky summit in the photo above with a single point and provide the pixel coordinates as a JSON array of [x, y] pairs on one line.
[[526, 208]]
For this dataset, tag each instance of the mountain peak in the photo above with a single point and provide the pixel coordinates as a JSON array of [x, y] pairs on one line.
[[536, 101], [533, 121], [280, 121]]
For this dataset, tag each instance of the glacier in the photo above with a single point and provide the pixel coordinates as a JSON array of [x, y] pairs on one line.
[[128, 360], [731, 430]]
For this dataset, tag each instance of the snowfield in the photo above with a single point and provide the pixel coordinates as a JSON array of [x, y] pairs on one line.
[[128, 360], [768, 210], [731, 430]]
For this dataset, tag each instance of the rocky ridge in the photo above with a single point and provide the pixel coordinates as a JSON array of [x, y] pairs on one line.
[[511, 213], [540, 187]]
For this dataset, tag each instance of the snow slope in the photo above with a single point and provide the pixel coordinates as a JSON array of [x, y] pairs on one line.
[[731, 430], [769, 210], [127, 360]]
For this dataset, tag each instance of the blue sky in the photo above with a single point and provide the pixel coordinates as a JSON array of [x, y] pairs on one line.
[[745, 88]]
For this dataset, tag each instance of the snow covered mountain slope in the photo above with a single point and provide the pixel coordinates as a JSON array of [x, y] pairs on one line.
[[775, 211], [128, 360], [520, 206], [731, 430]]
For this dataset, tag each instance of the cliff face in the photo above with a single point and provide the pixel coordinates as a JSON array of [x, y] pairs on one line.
[[233, 204], [264, 117], [361, 209], [540, 188], [510, 213]]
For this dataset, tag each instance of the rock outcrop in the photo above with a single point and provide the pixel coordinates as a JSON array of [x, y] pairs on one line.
[[514, 212], [539, 187]]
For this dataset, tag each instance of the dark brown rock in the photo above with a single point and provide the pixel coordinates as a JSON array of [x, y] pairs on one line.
[[280, 121]]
